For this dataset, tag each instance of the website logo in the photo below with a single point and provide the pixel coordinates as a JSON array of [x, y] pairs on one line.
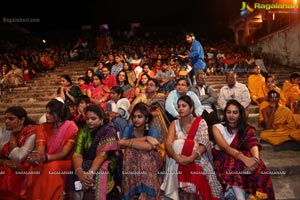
[[246, 9], [270, 7]]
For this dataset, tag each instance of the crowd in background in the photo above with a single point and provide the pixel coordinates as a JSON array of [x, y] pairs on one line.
[[134, 126]]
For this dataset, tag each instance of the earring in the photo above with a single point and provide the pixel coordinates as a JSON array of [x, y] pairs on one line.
[[147, 127]]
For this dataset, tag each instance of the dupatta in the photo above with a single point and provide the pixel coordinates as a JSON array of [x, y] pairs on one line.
[[190, 177]]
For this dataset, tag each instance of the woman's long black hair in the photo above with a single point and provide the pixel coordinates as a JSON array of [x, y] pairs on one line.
[[242, 120]]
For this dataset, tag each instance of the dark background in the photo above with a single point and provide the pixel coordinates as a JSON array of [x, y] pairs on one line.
[[208, 18]]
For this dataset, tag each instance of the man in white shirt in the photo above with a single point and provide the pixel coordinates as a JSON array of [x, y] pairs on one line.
[[234, 90]]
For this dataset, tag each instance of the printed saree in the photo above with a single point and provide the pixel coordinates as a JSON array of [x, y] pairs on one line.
[[232, 172], [104, 144], [187, 177], [141, 175]]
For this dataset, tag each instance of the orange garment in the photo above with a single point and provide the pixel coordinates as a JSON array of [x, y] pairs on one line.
[[286, 128], [255, 82], [297, 120], [263, 93], [291, 92], [50, 182], [50, 64]]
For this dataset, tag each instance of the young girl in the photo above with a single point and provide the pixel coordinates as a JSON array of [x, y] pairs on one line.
[[140, 141]]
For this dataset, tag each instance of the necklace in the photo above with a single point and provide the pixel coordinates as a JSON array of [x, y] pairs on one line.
[[188, 125]]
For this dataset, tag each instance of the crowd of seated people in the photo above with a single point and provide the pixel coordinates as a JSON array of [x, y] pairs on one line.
[[150, 121], [20, 66]]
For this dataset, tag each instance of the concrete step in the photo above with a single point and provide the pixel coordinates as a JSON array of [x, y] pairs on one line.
[[21, 100], [282, 162], [30, 110], [31, 94], [253, 119], [286, 187], [27, 105], [284, 168], [253, 108]]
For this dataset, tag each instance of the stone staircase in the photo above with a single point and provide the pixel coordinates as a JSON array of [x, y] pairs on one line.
[[36, 94]]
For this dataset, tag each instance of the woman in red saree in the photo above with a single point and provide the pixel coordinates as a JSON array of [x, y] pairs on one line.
[[99, 94], [236, 155], [17, 140], [54, 144], [189, 171]]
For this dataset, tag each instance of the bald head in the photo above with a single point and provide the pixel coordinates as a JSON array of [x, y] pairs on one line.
[[231, 78], [200, 78]]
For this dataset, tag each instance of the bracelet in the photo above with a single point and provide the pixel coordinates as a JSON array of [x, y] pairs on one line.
[[237, 154], [78, 169]]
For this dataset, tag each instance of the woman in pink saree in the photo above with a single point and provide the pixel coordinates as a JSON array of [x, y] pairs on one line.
[[54, 147]]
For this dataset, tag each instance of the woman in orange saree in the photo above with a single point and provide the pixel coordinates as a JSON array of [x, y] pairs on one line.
[[54, 147]]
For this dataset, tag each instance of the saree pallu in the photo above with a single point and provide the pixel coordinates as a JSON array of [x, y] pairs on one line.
[[50, 182], [13, 182], [140, 173], [231, 171], [105, 144], [161, 122], [188, 181], [190, 177]]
